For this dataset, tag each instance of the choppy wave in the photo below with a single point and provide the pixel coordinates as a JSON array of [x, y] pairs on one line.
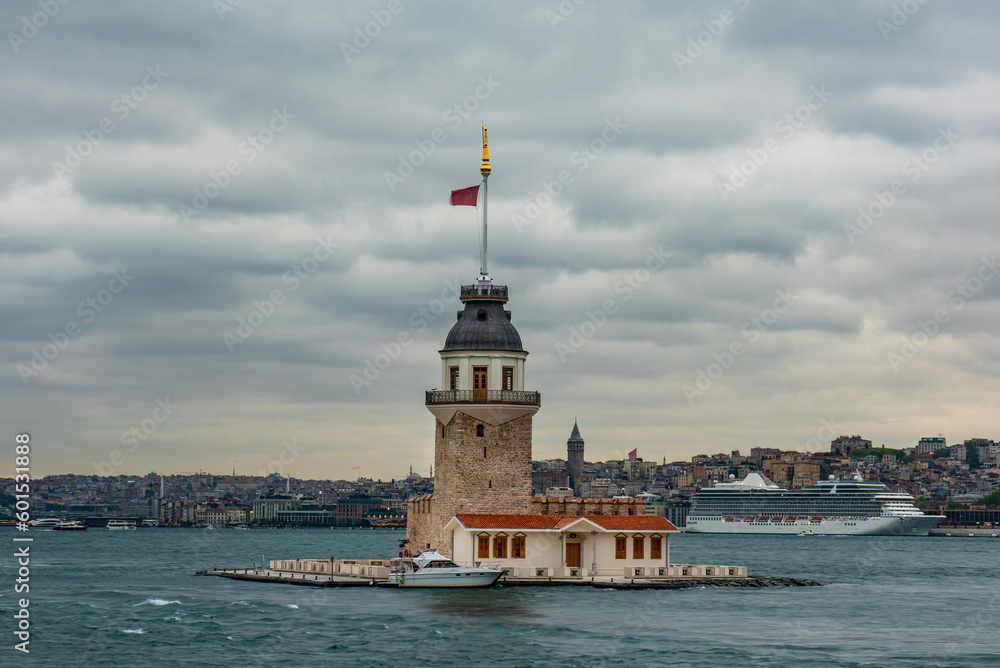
[[157, 601]]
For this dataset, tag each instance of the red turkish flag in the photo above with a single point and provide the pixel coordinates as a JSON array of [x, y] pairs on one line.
[[465, 196]]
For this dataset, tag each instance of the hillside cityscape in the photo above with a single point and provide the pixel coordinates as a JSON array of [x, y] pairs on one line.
[[956, 480]]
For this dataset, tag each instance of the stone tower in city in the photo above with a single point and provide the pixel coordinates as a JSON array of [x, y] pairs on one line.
[[574, 457], [483, 414]]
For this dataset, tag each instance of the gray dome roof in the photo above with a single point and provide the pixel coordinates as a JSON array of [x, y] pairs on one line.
[[483, 325]]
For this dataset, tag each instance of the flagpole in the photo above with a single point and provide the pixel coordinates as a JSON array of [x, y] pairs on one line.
[[485, 171], [485, 193]]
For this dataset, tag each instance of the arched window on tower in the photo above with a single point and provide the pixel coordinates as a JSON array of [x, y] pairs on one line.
[[480, 430]]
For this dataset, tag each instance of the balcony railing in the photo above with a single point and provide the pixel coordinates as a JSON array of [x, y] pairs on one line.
[[483, 397], [491, 292]]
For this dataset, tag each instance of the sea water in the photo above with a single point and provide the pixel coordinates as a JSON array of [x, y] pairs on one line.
[[131, 598]]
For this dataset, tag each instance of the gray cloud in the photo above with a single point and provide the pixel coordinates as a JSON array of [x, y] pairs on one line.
[[409, 104]]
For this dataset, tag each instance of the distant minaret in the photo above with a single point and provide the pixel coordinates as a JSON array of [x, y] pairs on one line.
[[574, 456]]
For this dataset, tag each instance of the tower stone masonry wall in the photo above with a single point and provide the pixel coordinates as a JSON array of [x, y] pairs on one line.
[[474, 474], [574, 465], [419, 515]]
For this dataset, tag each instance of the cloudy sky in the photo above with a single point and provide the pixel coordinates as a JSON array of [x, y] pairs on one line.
[[723, 225]]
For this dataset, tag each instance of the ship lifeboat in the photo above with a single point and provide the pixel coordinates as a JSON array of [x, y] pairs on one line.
[[777, 519], [749, 519], [816, 519], [729, 519], [789, 519]]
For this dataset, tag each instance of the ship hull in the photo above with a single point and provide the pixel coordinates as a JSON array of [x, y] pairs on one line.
[[464, 577], [918, 525]]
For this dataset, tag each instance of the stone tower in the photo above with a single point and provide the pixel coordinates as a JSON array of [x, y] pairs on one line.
[[574, 457], [482, 428]]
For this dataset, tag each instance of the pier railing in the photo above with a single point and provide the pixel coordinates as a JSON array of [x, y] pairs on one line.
[[483, 397]]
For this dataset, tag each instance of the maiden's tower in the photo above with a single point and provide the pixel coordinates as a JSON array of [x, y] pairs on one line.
[[482, 429]]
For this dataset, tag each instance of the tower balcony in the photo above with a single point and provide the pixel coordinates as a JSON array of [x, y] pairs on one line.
[[484, 292], [519, 397]]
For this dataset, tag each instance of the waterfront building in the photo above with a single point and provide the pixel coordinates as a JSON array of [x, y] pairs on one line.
[[220, 515], [267, 508], [351, 511], [565, 545], [311, 516]]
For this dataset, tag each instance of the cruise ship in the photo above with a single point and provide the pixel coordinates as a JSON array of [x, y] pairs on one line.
[[830, 507]]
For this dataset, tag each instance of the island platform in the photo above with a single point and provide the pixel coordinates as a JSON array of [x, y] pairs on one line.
[[375, 573]]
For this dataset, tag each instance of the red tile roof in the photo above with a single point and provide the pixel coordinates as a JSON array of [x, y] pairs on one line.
[[632, 522], [608, 522]]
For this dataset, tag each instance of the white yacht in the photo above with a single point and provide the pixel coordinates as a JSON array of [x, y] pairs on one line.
[[122, 525], [830, 507], [432, 569]]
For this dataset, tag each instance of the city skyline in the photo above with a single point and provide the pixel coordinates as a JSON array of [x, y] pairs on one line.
[[225, 237]]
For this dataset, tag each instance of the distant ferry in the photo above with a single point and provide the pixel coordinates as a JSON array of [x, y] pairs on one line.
[[831, 507], [122, 525], [45, 522], [383, 518]]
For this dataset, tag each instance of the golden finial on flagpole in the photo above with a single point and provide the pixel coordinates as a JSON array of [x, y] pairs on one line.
[[484, 277], [485, 169]]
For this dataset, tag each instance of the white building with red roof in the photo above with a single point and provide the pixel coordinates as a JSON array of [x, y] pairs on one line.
[[570, 545]]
